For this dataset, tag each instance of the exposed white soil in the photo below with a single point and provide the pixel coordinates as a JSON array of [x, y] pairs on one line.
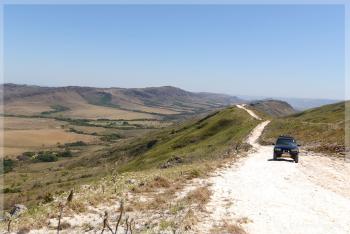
[[281, 196], [243, 106]]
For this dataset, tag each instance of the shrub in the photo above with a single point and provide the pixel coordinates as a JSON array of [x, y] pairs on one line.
[[46, 157], [48, 198], [66, 153], [28, 154], [77, 143], [110, 137], [151, 143], [8, 165], [11, 190], [160, 182], [23, 157]]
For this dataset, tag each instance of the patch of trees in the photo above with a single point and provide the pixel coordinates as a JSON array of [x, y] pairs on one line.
[[44, 156], [56, 108]]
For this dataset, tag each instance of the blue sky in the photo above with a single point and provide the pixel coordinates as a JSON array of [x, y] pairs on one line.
[[259, 50]]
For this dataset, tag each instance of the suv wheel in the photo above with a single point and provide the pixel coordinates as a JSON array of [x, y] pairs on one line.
[[274, 156], [296, 158]]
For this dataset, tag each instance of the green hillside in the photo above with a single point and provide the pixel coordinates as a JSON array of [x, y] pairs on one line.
[[320, 129], [205, 139], [179, 146]]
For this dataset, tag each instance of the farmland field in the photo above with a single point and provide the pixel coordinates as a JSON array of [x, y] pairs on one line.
[[32, 134]]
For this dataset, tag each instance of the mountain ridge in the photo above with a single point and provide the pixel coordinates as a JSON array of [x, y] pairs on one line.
[[164, 100]]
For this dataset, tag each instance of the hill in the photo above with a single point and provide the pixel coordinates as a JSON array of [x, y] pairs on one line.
[[320, 129], [210, 139], [206, 139], [274, 108], [109, 103]]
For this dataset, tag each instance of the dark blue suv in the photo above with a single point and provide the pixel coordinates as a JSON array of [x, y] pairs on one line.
[[286, 145]]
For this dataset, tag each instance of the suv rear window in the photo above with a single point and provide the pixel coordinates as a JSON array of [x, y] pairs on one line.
[[285, 141]]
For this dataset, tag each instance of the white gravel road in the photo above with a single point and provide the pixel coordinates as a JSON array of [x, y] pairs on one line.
[[312, 196]]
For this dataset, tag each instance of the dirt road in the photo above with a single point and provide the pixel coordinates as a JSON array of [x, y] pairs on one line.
[[268, 196]]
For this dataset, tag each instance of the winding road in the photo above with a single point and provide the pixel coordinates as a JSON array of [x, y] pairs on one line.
[[281, 196]]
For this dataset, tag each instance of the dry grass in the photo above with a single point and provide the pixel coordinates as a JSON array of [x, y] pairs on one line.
[[88, 111], [32, 134], [228, 228], [200, 195], [190, 220], [23, 230], [160, 182], [158, 186], [46, 137], [77, 206], [28, 108], [64, 225], [244, 220], [17, 123]]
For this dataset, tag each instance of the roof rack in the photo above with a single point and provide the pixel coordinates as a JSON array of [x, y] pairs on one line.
[[286, 136]]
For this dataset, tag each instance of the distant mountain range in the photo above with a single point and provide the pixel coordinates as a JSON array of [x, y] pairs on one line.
[[112, 103], [164, 102]]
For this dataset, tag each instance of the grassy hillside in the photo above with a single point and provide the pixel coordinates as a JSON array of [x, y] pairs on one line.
[[272, 108], [321, 129], [212, 138], [206, 139]]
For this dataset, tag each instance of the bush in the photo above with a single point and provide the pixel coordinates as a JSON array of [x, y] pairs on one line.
[[11, 190], [76, 131], [77, 143], [48, 198], [66, 153], [8, 165], [151, 143], [28, 154], [110, 137], [46, 157], [23, 157]]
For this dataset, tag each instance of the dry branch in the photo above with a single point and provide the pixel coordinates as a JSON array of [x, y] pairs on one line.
[[120, 216], [60, 207], [105, 223]]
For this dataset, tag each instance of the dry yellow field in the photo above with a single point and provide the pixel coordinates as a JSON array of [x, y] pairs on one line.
[[27, 108], [16, 123], [100, 112], [159, 110], [30, 134]]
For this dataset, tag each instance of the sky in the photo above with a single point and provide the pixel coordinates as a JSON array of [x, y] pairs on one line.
[[257, 50]]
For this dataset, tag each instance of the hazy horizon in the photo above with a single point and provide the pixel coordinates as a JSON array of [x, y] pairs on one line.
[[292, 51], [243, 96]]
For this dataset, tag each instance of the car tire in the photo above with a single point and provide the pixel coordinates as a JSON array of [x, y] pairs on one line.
[[296, 158], [274, 156]]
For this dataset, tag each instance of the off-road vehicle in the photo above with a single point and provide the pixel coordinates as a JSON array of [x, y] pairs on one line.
[[286, 145]]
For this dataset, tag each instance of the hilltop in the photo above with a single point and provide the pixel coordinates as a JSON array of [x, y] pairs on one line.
[[320, 129], [274, 108]]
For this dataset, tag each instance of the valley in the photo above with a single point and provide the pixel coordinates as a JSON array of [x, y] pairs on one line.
[[174, 164]]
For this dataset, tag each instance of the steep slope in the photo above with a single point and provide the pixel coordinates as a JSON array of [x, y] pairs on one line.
[[71, 101], [322, 129], [274, 108]]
